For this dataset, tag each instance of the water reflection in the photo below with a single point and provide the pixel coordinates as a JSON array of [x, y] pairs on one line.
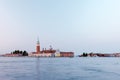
[[38, 68]]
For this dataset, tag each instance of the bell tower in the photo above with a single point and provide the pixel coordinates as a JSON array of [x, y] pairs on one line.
[[38, 47]]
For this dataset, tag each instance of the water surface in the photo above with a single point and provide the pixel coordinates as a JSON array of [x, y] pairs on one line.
[[27, 68]]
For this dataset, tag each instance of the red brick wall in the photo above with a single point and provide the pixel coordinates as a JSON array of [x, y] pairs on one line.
[[66, 54], [37, 49]]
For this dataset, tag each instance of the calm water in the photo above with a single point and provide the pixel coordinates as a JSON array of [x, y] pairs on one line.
[[24, 68]]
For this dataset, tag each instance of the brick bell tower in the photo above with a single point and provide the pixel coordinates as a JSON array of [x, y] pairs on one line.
[[38, 47]]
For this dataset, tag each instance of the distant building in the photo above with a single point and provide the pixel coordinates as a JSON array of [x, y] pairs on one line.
[[43, 53], [38, 47], [117, 54], [105, 55], [12, 55], [57, 53], [66, 54], [50, 52], [33, 54], [37, 53], [100, 55]]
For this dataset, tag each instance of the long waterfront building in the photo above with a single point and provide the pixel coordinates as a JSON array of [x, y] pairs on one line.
[[49, 53]]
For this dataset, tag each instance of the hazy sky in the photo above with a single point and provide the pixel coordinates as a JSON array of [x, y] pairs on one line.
[[68, 25]]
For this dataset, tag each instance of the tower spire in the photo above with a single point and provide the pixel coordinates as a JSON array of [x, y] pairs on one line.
[[38, 46], [38, 40]]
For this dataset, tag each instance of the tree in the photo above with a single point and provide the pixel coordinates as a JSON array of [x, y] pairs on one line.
[[23, 53], [85, 54]]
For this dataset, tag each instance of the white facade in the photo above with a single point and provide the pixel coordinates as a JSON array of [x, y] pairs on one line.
[[33, 55], [57, 53], [41, 55]]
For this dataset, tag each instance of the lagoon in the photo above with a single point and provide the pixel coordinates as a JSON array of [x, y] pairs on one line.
[[29, 68]]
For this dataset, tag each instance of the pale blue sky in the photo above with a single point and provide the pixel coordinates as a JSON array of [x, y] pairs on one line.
[[68, 25]]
